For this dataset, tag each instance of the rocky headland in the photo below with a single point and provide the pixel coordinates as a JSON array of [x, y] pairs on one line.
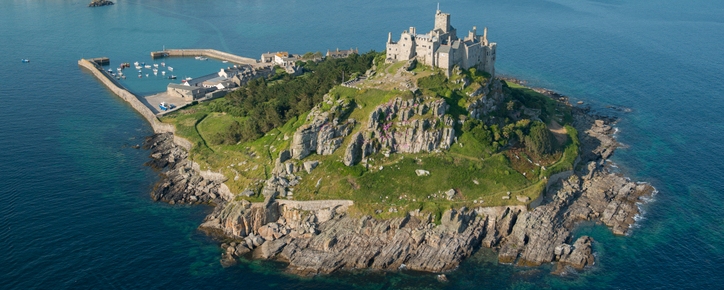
[[316, 237]]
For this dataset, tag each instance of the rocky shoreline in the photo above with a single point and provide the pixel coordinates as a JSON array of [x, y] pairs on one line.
[[319, 237]]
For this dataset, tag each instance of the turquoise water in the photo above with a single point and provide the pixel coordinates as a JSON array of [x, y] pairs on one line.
[[74, 204]]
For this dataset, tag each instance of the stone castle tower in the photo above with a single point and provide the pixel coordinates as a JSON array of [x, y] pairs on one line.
[[442, 48]]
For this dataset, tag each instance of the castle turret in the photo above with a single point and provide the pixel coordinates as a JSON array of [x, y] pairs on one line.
[[442, 21], [485, 36], [472, 35]]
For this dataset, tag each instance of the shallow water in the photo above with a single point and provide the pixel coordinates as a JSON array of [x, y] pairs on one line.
[[74, 204]]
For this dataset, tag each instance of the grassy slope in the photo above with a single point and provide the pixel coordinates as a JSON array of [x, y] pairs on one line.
[[377, 191]]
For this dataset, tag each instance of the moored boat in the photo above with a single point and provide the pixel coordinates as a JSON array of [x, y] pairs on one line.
[[170, 68]]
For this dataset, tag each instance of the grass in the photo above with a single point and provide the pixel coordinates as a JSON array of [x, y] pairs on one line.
[[550, 109], [246, 165], [398, 187]]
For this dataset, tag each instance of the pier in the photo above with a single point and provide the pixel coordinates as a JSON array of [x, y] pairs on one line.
[[212, 53]]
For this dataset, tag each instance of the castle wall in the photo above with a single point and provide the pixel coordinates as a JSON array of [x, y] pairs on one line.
[[424, 49]]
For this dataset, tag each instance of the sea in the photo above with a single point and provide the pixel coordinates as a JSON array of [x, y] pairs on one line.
[[75, 210]]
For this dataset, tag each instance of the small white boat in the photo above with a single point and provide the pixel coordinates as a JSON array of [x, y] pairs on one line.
[[189, 78], [198, 57], [155, 65], [138, 67], [146, 75], [163, 64], [163, 73], [155, 73], [170, 68], [202, 58], [135, 63], [225, 61], [147, 66], [155, 70]]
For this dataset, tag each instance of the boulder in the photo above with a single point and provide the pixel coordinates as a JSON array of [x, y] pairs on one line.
[[310, 165]]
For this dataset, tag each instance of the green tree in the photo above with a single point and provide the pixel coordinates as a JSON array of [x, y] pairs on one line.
[[540, 140]]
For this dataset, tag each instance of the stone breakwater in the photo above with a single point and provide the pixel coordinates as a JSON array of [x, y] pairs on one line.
[[321, 237], [130, 98]]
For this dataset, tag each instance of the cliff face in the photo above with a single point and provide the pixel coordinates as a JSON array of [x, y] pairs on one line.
[[324, 131]]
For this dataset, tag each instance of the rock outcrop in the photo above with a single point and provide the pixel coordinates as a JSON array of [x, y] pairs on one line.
[[486, 99], [324, 131], [589, 194], [406, 126], [181, 179]]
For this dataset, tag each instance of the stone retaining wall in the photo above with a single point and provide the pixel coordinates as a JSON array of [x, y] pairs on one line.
[[123, 93], [315, 205]]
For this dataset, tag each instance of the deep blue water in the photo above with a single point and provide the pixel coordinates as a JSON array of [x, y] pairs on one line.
[[74, 204]]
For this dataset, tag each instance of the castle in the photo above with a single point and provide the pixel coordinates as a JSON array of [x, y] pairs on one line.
[[442, 48]]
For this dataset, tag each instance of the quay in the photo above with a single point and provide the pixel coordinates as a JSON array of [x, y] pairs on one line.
[[212, 53]]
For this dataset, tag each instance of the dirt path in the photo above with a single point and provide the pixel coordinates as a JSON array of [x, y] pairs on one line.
[[558, 131]]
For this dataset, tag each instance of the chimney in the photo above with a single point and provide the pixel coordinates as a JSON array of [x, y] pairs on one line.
[[389, 37]]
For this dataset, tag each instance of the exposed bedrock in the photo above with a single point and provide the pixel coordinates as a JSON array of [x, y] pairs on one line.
[[181, 179]]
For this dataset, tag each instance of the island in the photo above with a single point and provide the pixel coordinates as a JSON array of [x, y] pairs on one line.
[[414, 158], [98, 3]]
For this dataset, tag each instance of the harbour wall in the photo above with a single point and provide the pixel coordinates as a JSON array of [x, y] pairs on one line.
[[123, 93], [213, 53]]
